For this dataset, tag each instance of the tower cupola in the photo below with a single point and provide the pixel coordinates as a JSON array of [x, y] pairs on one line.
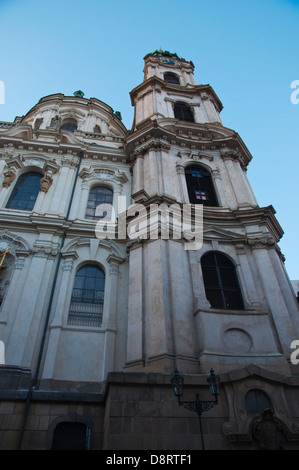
[[169, 91]]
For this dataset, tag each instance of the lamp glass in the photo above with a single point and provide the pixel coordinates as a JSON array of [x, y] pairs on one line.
[[177, 383], [213, 381]]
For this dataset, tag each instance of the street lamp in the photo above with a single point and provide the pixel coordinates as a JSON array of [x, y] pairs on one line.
[[198, 405]]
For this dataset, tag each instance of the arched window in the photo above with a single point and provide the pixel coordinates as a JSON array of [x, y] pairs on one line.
[[99, 196], [221, 282], [25, 192], [171, 78], [183, 112], [97, 129], [87, 297], [71, 435], [69, 125], [200, 186], [256, 402]]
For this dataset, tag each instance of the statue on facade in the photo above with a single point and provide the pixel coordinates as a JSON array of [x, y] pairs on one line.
[[267, 432]]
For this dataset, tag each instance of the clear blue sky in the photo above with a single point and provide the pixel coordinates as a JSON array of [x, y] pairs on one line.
[[246, 50]]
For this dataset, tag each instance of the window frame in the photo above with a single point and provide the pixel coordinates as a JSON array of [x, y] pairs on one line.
[[183, 111], [172, 75], [80, 312], [218, 284], [13, 195], [200, 181], [111, 195], [257, 396], [67, 121]]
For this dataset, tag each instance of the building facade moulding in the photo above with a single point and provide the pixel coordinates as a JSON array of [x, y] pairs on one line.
[[17, 245], [48, 165], [235, 155], [115, 250], [92, 175], [242, 427]]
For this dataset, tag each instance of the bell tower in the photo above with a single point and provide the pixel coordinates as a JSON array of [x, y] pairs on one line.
[[195, 308], [169, 91]]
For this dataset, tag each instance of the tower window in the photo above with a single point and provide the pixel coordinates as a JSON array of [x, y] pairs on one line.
[[183, 112], [171, 78], [87, 297], [69, 125], [221, 282], [99, 196], [25, 192], [200, 186]]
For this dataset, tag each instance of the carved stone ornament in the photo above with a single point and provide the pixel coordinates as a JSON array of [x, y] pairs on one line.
[[265, 241], [116, 177], [9, 177], [45, 184], [268, 432], [55, 123]]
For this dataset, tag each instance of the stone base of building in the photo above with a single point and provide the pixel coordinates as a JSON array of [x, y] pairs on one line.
[[138, 411]]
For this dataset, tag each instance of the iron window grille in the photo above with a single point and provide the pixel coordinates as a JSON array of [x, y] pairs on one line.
[[87, 301]]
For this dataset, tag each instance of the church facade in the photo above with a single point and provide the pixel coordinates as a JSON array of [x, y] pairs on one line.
[[127, 255]]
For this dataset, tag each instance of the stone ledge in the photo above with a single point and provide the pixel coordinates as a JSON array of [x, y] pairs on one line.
[[52, 396]]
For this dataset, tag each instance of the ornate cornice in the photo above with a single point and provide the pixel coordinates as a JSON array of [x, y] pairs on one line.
[[104, 175]]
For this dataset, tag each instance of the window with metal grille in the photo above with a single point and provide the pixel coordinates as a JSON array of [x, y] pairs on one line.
[[25, 192], [256, 402], [221, 282], [71, 435], [100, 197], [87, 301], [171, 78], [183, 112], [200, 186]]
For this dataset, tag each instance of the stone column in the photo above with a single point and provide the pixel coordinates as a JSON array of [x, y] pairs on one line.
[[135, 308], [63, 188], [278, 308], [83, 199], [182, 182], [61, 310], [220, 192], [252, 300], [30, 313], [109, 314], [138, 181], [239, 186], [150, 173]]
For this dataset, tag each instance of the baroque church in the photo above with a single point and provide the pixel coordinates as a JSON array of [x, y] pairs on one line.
[[104, 319]]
